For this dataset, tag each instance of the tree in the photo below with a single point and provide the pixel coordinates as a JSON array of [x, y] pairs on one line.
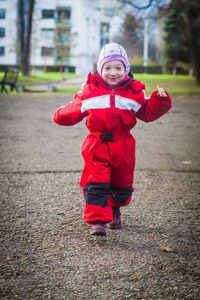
[[63, 39], [191, 12], [130, 28], [24, 28], [177, 47], [131, 34], [183, 34]]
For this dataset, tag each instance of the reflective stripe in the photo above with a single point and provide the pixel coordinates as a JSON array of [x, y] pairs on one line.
[[96, 103], [104, 102], [126, 103]]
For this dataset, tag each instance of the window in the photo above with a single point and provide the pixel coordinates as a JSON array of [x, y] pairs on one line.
[[109, 12], [62, 54], [2, 51], [2, 13], [2, 32], [105, 27], [105, 32], [47, 51], [103, 42], [66, 36], [63, 15], [62, 34], [48, 13], [47, 33]]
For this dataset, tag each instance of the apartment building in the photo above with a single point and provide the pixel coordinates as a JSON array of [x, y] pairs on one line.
[[8, 32], [65, 33]]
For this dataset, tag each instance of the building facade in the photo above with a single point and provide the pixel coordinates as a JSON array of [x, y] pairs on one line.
[[65, 33], [8, 32]]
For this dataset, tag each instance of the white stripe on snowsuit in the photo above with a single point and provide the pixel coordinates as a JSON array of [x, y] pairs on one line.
[[102, 102]]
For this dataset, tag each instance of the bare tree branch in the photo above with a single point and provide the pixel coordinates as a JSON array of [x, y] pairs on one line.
[[136, 6]]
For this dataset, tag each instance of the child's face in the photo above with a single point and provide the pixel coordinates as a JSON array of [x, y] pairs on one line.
[[113, 72]]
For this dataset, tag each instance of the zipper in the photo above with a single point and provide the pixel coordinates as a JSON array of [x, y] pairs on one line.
[[112, 145], [113, 105]]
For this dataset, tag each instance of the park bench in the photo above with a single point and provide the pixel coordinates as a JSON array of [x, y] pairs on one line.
[[10, 78]]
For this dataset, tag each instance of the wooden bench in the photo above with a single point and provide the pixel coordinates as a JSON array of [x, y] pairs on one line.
[[10, 78]]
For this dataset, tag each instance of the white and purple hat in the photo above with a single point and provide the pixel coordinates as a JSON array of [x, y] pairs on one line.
[[112, 52]]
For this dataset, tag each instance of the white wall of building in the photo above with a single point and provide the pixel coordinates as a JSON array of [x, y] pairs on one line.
[[86, 19], [37, 40], [10, 39]]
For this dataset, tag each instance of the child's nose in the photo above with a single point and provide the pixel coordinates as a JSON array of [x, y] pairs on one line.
[[113, 72]]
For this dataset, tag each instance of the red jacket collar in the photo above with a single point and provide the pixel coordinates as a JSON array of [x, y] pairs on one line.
[[128, 81]]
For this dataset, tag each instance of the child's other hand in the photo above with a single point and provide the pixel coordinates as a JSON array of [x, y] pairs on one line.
[[161, 92]]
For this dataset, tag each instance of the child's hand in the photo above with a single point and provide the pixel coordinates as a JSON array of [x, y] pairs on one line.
[[161, 92]]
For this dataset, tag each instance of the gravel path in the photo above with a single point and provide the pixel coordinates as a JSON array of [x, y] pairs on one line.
[[46, 250]]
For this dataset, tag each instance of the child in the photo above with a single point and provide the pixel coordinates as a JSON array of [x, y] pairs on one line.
[[111, 100]]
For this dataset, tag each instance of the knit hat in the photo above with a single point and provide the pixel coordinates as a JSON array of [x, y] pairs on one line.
[[112, 52]]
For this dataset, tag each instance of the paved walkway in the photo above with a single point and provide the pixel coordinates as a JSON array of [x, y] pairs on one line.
[[46, 250], [48, 87]]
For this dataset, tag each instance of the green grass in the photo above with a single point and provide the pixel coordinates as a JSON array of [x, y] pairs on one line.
[[40, 78], [179, 85], [67, 91], [43, 77]]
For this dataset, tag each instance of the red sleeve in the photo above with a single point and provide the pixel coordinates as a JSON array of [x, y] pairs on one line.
[[71, 113], [154, 107]]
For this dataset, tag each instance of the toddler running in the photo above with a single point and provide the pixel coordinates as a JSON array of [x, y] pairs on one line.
[[112, 101]]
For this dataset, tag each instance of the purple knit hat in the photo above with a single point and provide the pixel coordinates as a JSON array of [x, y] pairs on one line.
[[112, 52]]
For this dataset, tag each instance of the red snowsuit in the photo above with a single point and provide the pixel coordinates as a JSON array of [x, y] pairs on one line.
[[109, 149]]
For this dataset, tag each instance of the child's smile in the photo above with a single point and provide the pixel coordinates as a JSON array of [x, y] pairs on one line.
[[113, 72]]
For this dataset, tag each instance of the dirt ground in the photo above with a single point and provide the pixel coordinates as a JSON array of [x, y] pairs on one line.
[[46, 249]]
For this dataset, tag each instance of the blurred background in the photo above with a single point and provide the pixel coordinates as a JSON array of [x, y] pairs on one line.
[[160, 36]]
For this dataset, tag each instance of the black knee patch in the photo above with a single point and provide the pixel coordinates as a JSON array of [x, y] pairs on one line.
[[120, 194], [97, 193]]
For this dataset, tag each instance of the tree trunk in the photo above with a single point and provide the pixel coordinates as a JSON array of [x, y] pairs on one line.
[[25, 36], [195, 48], [21, 30], [174, 71], [60, 68], [21, 33], [191, 72], [27, 53], [194, 27]]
